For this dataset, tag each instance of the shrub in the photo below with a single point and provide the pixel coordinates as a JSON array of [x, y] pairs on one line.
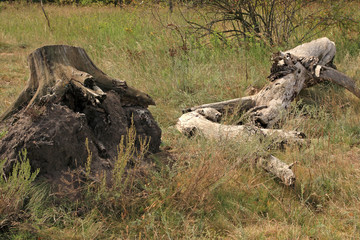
[[15, 189], [271, 21]]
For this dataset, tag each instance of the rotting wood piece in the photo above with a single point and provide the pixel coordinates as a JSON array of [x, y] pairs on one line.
[[278, 168], [57, 68], [203, 121]]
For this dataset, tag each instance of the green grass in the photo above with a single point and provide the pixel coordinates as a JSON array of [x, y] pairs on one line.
[[207, 190]]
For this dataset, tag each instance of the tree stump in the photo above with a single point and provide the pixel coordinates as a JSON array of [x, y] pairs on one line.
[[292, 71], [66, 101]]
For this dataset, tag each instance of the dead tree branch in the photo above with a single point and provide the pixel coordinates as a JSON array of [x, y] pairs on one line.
[[47, 19], [292, 71]]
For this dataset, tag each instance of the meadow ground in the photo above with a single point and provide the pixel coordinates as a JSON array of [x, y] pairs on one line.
[[212, 190]]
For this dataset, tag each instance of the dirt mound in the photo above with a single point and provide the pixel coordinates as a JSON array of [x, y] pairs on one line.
[[55, 135], [54, 127]]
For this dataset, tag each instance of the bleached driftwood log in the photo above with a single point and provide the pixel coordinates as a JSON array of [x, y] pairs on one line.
[[204, 121], [292, 71], [289, 75]]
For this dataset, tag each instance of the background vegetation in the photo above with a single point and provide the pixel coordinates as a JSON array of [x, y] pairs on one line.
[[198, 188]]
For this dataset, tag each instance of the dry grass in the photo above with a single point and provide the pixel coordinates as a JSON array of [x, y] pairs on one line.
[[200, 189]]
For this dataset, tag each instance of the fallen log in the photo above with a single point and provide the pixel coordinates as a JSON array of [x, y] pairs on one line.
[[266, 106], [203, 121], [289, 75], [293, 70]]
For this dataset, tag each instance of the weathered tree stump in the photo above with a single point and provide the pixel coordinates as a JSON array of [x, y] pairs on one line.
[[66, 101], [292, 71], [55, 69]]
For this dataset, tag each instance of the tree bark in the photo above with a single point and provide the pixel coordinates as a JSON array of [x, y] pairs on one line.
[[56, 69]]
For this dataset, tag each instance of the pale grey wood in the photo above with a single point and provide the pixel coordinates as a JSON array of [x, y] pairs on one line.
[[292, 71], [278, 168], [332, 75], [322, 49], [197, 122], [295, 69], [240, 104]]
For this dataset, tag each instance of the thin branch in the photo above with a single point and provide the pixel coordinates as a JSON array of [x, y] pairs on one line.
[[47, 19]]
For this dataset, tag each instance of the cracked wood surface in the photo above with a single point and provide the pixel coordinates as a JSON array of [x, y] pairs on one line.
[[55, 68], [303, 66]]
